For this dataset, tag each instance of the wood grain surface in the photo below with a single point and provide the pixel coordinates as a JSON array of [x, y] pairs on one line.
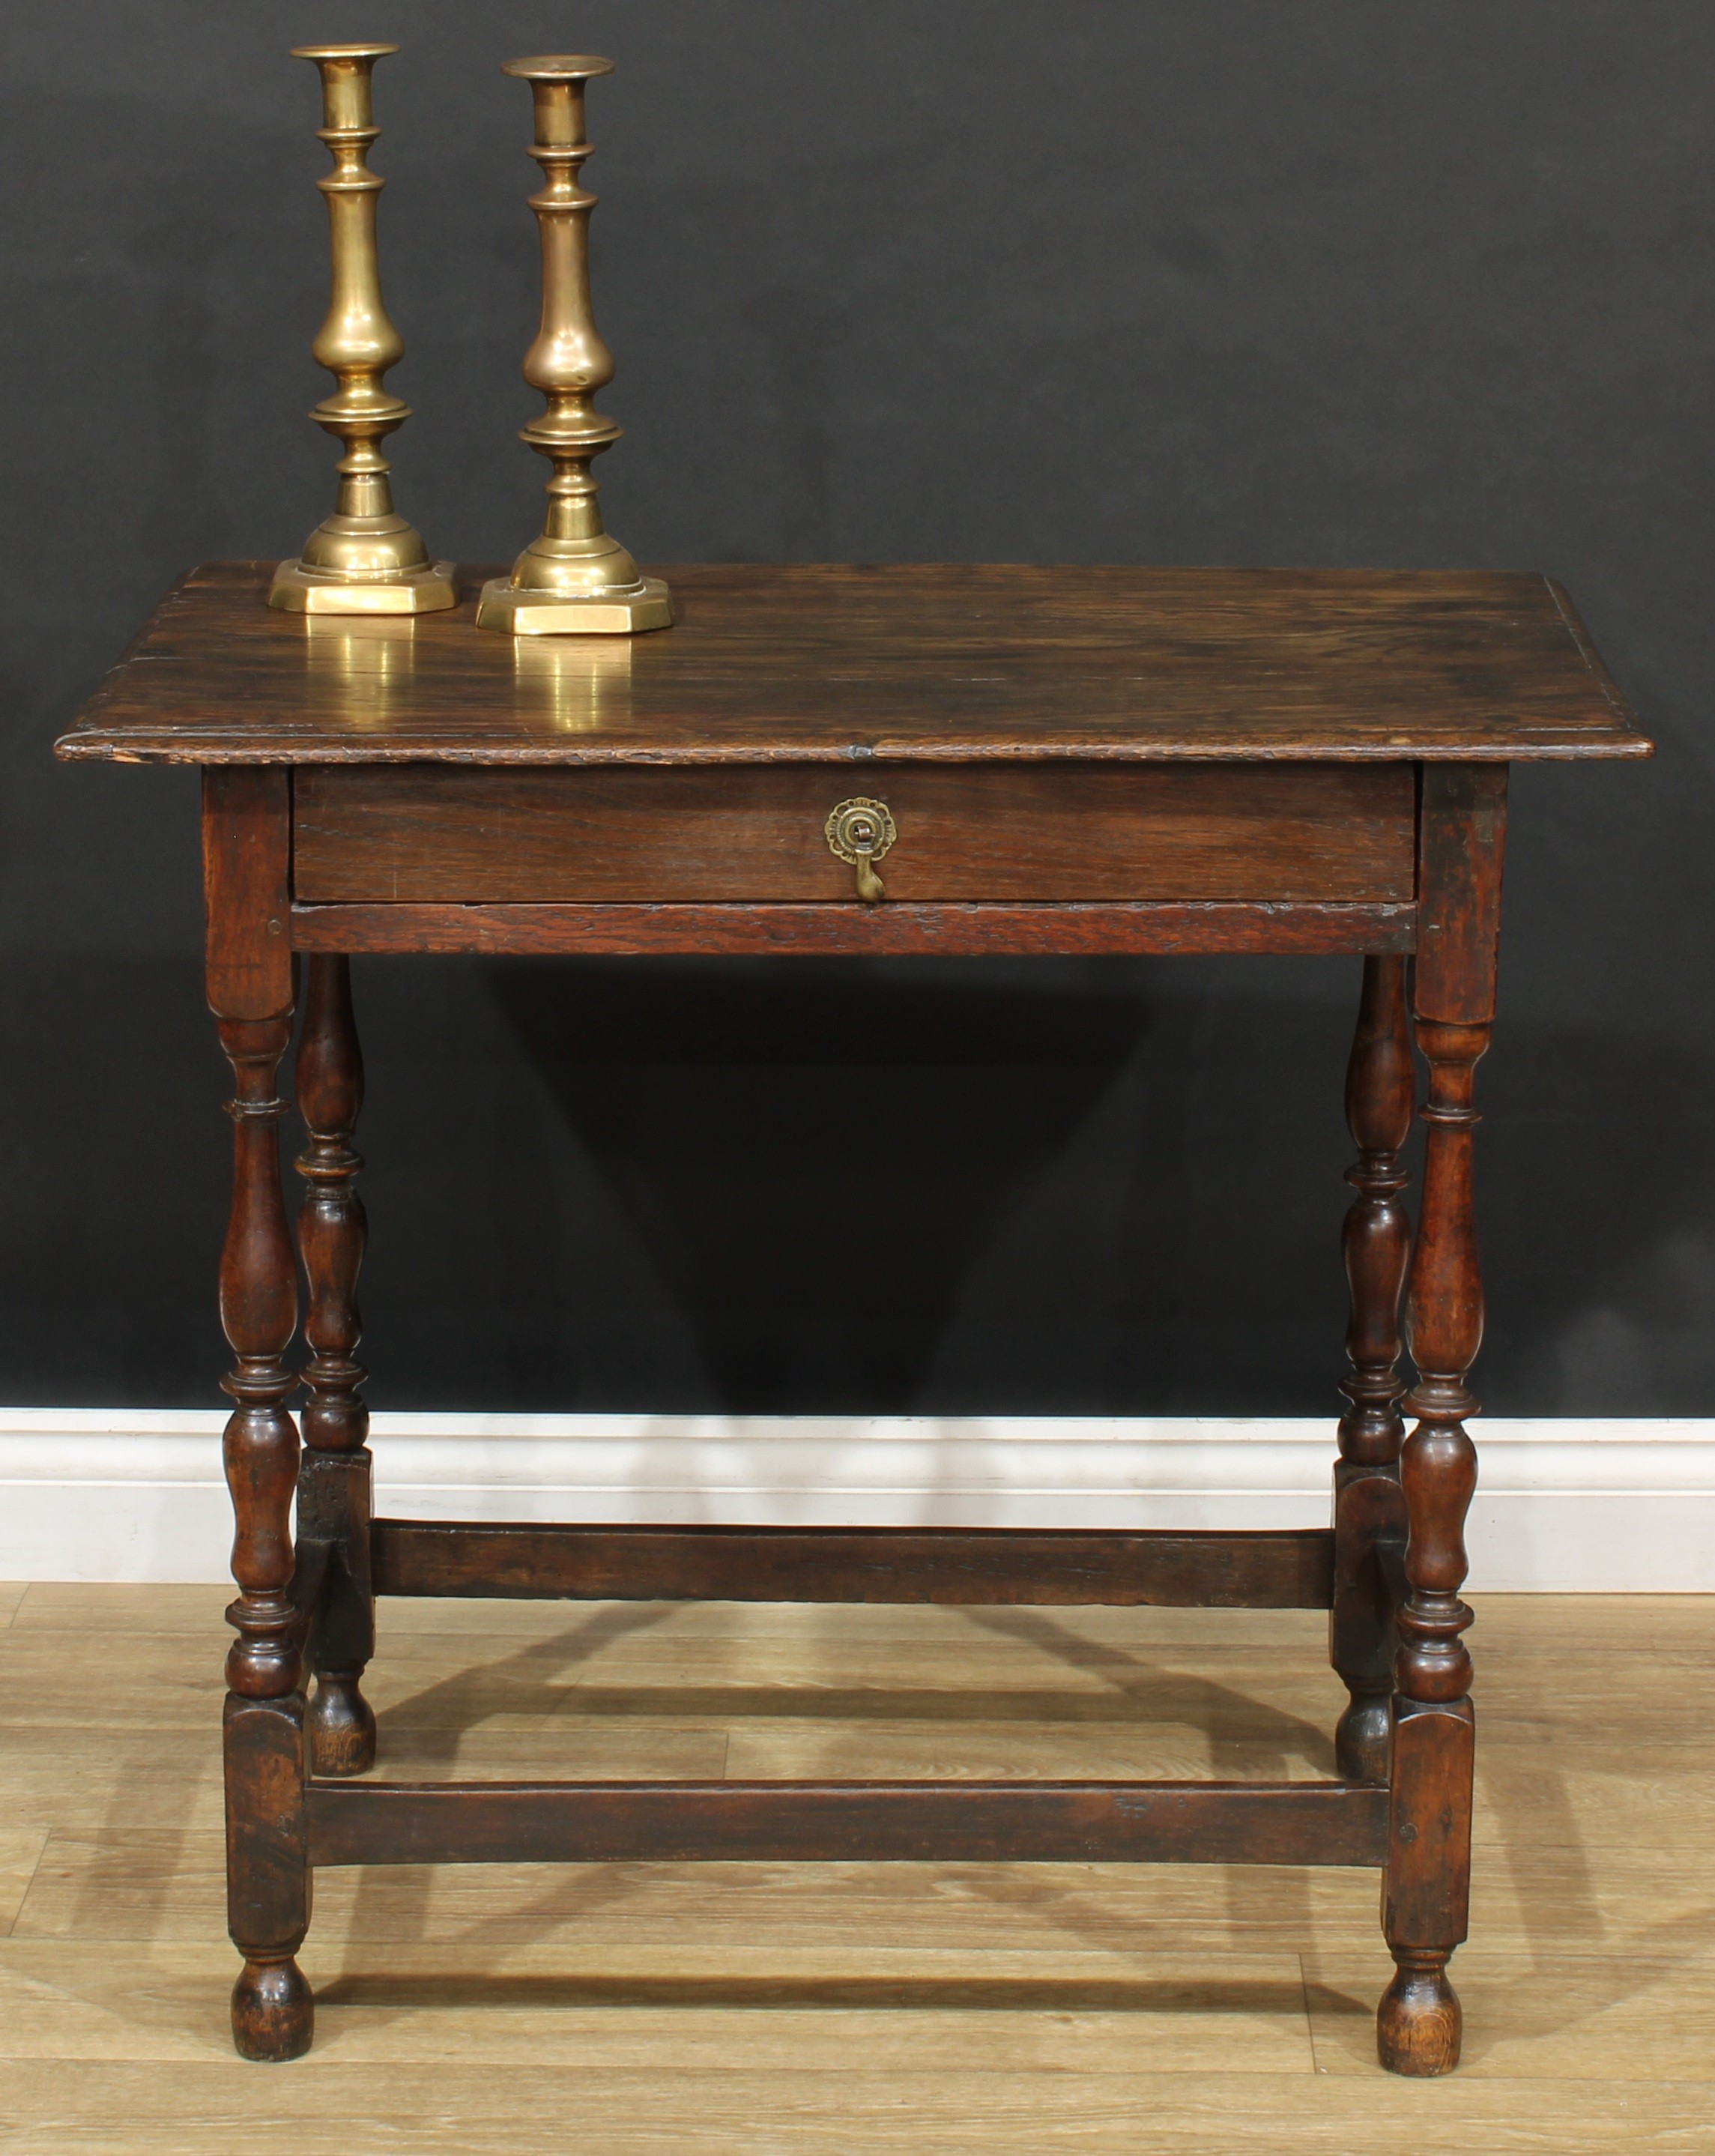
[[850, 929], [965, 832], [247, 863], [962, 1822], [1263, 1569], [840, 664]]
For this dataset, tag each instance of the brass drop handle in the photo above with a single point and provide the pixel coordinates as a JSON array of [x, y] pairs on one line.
[[861, 831]]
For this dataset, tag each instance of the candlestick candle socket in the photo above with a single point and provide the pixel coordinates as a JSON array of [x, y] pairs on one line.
[[575, 578], [365, 558]]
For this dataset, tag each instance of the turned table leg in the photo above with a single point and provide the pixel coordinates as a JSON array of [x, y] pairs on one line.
[[1426, 1884], [250, 993], [1368, 1505], [334, 1480]]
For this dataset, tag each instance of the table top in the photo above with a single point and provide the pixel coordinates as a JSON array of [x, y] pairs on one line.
[[832, 662]]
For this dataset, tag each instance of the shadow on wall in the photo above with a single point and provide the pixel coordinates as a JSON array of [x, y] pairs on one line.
[[821, 1165], [1047, 1187], [1106, 1188]]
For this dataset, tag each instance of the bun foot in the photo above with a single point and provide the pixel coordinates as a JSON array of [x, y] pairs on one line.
[[1419, 2022], [1361, 1736], [341, 1725], [273, 2011]]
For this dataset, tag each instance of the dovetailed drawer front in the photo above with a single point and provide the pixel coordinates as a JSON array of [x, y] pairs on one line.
[[1017, 831]]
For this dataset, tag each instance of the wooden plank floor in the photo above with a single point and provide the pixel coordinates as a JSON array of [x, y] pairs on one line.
[[755, 2008]]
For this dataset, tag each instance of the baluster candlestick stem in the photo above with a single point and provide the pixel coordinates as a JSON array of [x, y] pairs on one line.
[[365, 558], [575, 578]]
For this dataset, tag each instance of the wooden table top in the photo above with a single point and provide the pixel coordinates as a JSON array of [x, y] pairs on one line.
[[828, 664]]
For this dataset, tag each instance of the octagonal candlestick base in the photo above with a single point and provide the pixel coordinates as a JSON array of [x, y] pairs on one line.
[[507, 606], [426, 587]]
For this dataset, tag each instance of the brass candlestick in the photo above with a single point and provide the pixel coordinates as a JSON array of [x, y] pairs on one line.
[[575, 579], [366, 558]]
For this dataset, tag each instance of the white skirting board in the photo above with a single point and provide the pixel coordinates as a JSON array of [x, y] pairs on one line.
[[1564, 1506]]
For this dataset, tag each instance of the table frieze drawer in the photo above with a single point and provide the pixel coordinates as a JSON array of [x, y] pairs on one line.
[[1017, 831]]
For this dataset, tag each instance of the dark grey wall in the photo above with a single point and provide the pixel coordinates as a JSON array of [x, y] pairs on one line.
[[1294, 281]]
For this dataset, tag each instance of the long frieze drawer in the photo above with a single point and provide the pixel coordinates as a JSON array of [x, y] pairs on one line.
[[1052, 832]]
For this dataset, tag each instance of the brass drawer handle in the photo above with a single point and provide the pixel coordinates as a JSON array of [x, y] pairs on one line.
[[861, 831]]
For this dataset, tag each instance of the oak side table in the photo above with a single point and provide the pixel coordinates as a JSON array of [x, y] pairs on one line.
[[826, 760]]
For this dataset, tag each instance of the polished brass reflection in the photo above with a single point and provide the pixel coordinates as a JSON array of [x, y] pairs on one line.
[[361, 665], [861, 831], [575, 579], [573, 688], [365, 558]]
